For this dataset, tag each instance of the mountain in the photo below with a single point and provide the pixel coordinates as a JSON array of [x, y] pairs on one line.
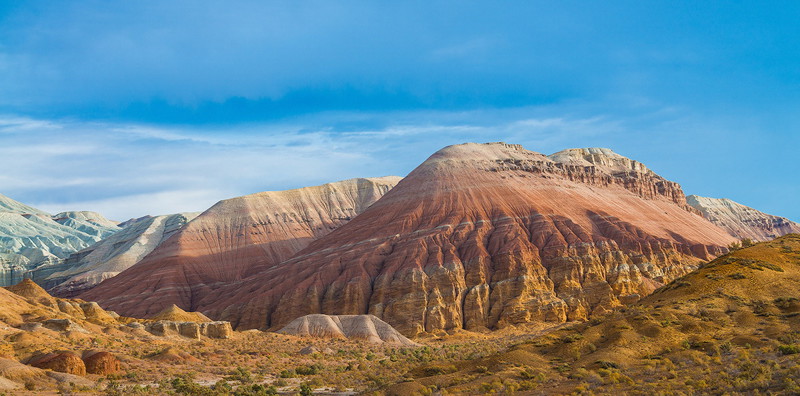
[[742, 221], [225, 242], [484, 236], [729, 327], [107, 258], [32, 241]]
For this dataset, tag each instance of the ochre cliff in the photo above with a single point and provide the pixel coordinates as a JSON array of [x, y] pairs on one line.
[[487, 235], [224, 243], [743, 221]]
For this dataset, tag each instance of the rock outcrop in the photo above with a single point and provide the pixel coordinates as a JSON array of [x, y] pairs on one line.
[[223, 244], [33, 243], [101, 362], [742, 221], [63, 362], [85, 269], [487, 235], [166, 328], [355, 327], [175, 314]]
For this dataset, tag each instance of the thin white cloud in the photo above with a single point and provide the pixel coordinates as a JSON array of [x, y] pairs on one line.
[[128, 171]]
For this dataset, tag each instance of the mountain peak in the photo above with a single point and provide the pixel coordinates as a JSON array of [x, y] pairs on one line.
[[599, 156]]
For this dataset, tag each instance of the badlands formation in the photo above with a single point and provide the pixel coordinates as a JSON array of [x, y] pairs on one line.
[[231, 239], [482, 236], [85, 269], [479, 237], [742, 221], [33, 242]]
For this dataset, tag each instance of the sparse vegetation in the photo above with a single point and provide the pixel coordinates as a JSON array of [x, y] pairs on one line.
[[713, 334]]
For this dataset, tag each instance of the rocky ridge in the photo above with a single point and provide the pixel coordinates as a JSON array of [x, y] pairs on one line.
[[107, 258], [228, 240], [33, 243], [484, 236], [742, 221]]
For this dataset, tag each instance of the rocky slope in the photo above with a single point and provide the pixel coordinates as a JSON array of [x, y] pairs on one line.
[[224, 243], [742, 221], [729, 327], [87, 268], [487, 235], [43, 338], [32, 242]]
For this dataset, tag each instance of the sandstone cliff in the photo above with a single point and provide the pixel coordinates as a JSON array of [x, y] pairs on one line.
[[742, 221], [87, 268], [487, 235], [224, 244]]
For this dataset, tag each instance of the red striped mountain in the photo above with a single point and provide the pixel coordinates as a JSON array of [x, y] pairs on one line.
[[223, 243], [487, 235]]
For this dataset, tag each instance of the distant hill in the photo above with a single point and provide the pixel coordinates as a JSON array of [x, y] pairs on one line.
[[88, 267], [742, 221], [231, 240], [32, 241]]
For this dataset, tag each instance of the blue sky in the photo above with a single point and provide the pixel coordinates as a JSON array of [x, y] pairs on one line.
[[134, 108]]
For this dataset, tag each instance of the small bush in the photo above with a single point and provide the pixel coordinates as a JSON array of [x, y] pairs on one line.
[[789, 349], [570, 338], [308, 370]]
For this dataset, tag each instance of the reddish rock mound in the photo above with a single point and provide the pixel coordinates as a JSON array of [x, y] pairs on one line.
[[486, 235], [63, 362], [224, 243], [101, 362]]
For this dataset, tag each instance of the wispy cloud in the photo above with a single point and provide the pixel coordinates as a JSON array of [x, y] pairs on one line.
[[132, 170]]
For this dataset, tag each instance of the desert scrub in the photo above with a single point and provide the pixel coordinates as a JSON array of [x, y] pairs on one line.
[[241, 374], [570, 338], [789, 349], [785, 302], [308, 370]]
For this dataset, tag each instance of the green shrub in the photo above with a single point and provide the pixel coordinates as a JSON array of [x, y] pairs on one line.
[[789, 349]]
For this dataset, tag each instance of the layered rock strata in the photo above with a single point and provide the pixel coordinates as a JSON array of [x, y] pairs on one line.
[[87, 268], [742, 221], [484, 236], [223, 244], [33, 243]]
